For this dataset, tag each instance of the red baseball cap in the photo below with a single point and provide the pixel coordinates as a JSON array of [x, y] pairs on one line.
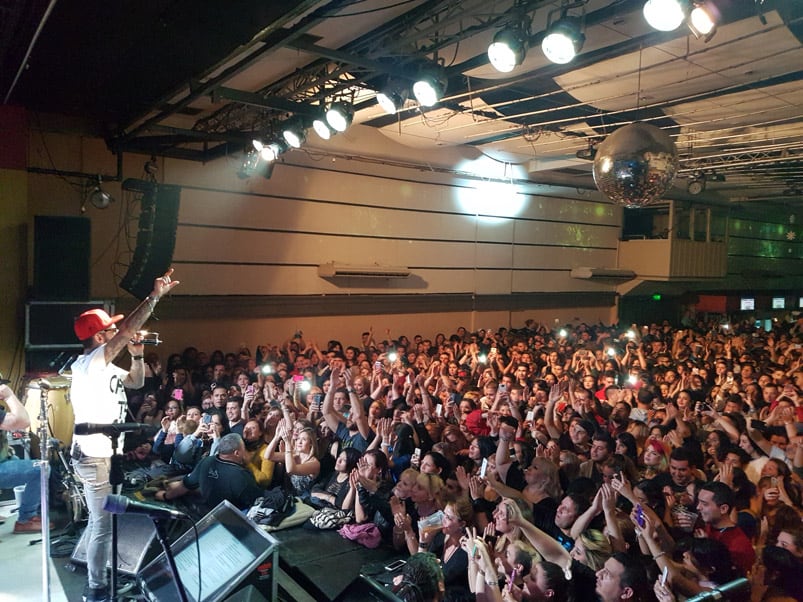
[[91, 322]]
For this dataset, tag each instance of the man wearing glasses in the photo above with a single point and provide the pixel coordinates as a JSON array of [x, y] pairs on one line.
[[98, 396]]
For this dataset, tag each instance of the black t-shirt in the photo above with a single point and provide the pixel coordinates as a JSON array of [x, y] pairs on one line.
[[584, 582], [455, 570], [515, 477], [544, 514], [220, 480]]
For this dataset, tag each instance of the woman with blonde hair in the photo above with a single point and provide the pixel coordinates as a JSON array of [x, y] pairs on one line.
[[426, 495], [592, 549], [542, 491]]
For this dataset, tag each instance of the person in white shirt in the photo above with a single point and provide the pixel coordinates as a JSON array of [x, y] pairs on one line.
[[98, 396]]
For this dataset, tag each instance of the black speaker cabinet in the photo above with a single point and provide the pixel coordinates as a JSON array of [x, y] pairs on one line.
[[136, 544], [156, 239], [61, 250]]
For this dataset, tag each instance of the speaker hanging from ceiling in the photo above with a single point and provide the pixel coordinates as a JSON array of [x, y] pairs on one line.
[[156, 238]]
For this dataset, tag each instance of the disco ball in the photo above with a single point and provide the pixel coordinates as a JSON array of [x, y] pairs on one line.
[[635, 165]]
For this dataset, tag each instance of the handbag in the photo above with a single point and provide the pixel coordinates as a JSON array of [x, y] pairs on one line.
[[331, 518]]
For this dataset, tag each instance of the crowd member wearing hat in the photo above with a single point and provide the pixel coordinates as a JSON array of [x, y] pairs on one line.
[[98, 396]]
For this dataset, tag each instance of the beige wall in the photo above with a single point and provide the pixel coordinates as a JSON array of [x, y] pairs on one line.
[[265, 238], [229, 334]]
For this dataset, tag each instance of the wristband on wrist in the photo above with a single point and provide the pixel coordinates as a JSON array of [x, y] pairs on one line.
[[137, 357]]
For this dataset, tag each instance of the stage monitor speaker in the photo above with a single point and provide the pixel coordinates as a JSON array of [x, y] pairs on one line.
[[156, 239], [235, 555], [136, 544], [61, 251]]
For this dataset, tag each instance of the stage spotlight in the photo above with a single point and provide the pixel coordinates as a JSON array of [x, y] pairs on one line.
[[563, 40], [339, 116], [392, 98], [268, 152], [696, 183], [321, 127], [703, 20], [99, 198], [429, 88], [294, 134], [664, 15], [508, 49]]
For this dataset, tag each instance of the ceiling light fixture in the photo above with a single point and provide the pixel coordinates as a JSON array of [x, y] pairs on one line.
[[294, 134], [696, 183], [508, 48], [563, 40], [392, 98], [430, 86], [99, 198], [321, 127], [664, 15], [703, 20], [269, 151], [339, 116]]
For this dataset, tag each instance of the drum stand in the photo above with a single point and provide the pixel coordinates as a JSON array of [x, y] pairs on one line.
[[44, 440]]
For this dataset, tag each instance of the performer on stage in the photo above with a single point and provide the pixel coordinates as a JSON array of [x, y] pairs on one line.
[[98, 396], [16, 471]]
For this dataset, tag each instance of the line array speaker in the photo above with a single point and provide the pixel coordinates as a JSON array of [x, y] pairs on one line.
[[156, 239]]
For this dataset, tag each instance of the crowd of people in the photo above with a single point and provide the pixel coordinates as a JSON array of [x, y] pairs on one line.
[[638, 463]]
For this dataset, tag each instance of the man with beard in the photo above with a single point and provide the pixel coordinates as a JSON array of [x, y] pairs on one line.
[[255, 446], [602, 446], [619, 418], [351, 428]]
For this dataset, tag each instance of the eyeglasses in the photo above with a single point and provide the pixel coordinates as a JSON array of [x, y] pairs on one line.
[[113, 329]]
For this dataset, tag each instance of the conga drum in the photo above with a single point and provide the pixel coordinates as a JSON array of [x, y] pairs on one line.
[[60, 417]]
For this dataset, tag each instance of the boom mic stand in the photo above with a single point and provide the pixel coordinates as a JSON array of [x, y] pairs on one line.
[[116, 477], [161, 534]]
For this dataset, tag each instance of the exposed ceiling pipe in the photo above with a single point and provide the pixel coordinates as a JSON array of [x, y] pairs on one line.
[[28, 52]]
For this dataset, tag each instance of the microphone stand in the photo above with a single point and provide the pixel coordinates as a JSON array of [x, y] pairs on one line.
[[161, 535], [115, 480], [44, 440]]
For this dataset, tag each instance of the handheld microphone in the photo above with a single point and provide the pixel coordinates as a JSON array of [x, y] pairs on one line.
[[114, 429], [119, 504], [147, 338]]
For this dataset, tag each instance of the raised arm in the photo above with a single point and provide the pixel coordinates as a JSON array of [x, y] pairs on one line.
[[16, 418], [548, 547], [553, 427], [358, 414], [330, 415], [127, 329]]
